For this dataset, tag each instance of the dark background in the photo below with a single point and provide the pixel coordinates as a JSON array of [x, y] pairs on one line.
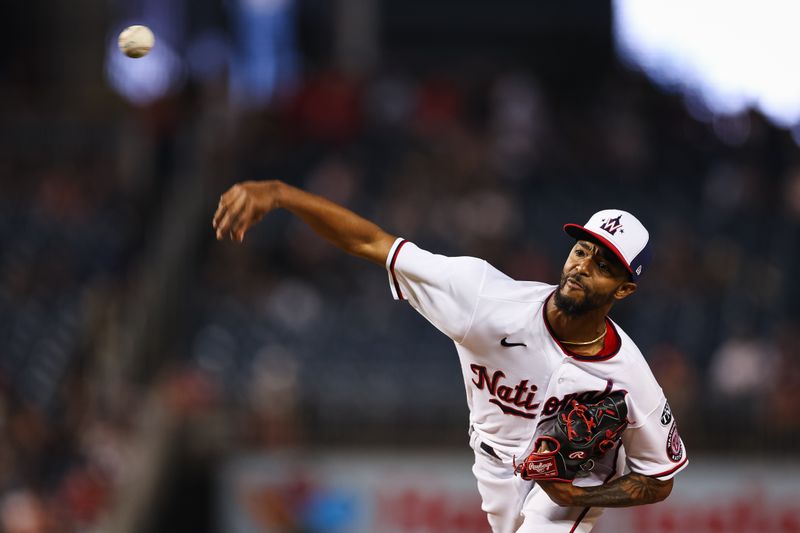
[[469, 128]]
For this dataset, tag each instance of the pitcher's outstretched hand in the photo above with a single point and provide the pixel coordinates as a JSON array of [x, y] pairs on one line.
[[243, 205]]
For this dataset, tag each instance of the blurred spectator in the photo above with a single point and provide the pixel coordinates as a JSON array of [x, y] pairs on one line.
[[23, 511], [792, 192], [743, 369], [679, 378], [518, 124], [326, 108], [784, 396]]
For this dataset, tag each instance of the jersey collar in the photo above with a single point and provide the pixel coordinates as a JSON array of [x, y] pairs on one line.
[[611, 346]]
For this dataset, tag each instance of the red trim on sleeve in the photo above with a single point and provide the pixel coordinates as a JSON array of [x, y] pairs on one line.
[[671, 470], [391, 270]]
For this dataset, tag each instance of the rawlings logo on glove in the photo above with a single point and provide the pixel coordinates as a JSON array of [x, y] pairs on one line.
[[571, 441]]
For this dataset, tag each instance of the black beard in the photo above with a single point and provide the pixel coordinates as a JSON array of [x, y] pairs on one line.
[[572, 307]]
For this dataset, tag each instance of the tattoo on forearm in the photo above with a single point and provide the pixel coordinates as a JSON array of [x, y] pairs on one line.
[[632, 489]]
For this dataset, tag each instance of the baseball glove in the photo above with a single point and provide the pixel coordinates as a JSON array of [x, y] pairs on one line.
[[577, 436]]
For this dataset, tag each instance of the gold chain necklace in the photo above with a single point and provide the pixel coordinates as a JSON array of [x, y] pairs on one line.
[[587, 343]]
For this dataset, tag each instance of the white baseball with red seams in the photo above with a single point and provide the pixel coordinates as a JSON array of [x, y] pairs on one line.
[[136, 41], [516, 373]]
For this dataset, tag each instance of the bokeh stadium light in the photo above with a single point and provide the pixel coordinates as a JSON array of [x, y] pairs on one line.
[[726, 56]]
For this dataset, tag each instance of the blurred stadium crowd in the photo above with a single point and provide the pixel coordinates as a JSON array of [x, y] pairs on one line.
[[298, 344]]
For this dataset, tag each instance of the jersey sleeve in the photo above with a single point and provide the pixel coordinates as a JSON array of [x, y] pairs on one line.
[[655, 448], [443, 289]]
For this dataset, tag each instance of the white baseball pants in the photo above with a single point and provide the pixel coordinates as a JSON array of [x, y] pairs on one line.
[[513, 505]]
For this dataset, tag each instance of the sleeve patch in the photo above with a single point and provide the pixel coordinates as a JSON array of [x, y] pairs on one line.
[[666, 415], [674, 444]]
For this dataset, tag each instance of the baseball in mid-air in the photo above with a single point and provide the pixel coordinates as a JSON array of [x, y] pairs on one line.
[[136, 41]]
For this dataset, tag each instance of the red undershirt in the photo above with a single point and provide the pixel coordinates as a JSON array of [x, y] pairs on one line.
[[611, 344]]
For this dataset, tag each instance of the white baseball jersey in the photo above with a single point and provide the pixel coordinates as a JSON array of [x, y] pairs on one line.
[[516, 373]]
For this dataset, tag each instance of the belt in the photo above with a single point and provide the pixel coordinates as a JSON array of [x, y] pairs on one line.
[[485, 447], [488, 449]]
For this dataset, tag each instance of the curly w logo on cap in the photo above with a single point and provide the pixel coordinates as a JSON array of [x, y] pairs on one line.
[[612, 225], [628, 241]]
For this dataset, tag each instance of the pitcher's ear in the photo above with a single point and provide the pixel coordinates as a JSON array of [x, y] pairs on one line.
[[624, 290]]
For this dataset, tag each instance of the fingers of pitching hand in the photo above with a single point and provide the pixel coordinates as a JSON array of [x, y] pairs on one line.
[[218, 214], [230, 204], [242, 224], [222, 210], [239, 214], [217, 222]]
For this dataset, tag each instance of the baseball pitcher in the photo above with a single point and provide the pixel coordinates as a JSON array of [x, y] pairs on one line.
[[566, 417]]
